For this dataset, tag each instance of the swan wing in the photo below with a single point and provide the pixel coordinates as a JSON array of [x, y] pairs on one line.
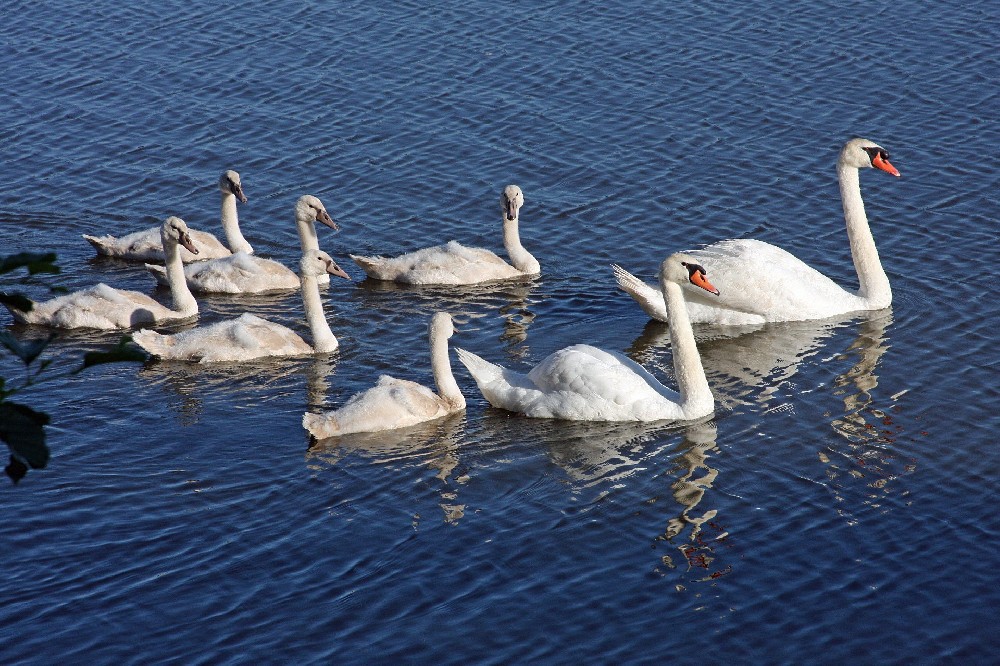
[[757, 277], [146, 245], [451, 263], [99, 306], [242, 339], [577, 383], [392, 403], [239, 273]]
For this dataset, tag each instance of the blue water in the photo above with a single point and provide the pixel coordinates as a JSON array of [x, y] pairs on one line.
[[838, 507]]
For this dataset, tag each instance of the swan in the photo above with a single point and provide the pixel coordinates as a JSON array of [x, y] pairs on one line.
[[103, 307], [248, 336], [453, 263], [397, 403], [763, 283], [242, 273], [584, 383], [146, 245]]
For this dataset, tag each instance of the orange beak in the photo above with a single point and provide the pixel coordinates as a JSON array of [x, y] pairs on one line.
[[698, 279], [880, 163]]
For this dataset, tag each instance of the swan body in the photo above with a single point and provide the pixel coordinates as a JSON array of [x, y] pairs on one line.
[[454, 263], [397, 403], [249, 337], [146, 245], [107, 308], [242, 273], [763, 283], [584, 383]]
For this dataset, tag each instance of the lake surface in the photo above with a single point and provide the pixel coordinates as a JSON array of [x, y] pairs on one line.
[[840, 505]]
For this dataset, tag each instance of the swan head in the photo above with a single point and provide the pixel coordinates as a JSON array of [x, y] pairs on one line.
[[681, 268], [865, 154], [311, 209], [175, 230], [511, 200], [229, 183], [441, 323], [317, 262]]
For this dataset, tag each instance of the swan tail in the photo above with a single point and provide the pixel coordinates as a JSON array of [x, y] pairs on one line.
[[103, 244], [320, 426], [160, 273], [481, 370], [370, 265], [649, 299], [155, 343]]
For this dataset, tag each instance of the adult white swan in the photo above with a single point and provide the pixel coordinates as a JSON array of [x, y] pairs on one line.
[[101, 306], [453, 263], [584, 383], [397, 403], [248, 336], [763, 283], [146, 246], [242, 273]]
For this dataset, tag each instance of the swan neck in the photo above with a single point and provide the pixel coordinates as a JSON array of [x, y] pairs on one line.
[[441, 369], [231, 225], [323, 338], [696, 396], [520, 258], [872, 280], [184, 302], [307, 233]]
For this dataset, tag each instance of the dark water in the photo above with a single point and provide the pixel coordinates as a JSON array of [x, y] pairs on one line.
[[840, 505]]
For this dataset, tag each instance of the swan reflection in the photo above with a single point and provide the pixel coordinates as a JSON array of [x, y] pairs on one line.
[[749, 364], [432, 443]]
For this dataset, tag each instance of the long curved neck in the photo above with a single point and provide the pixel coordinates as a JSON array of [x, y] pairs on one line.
[[872, 280], [696, 396], [520, 258], [231, 225], [323, 338], [441, 368], [184, 302]]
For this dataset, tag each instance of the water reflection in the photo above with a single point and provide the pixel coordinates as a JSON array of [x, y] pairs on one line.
[[432, 443], [511, 298], [869, 459], [747, 365], [256, 382], [604, 455]]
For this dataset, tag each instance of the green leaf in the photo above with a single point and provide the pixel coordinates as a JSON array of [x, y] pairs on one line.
[[35, 262], [26, 351], [121, 352], [16, 300], [22, 428]]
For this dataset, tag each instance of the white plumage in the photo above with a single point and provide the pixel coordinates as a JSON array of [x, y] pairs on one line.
[[242, 273], [585, 383], [248, 336], [764, 283], [146, 245], [454, 263], [104, 307], [397, 403]]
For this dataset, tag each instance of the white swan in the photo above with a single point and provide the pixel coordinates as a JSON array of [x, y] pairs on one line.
[[242, 273], [101, 306], [763, 283], [453, 263], [397, 403], [248, 336], [584, 383], [146, 246]]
